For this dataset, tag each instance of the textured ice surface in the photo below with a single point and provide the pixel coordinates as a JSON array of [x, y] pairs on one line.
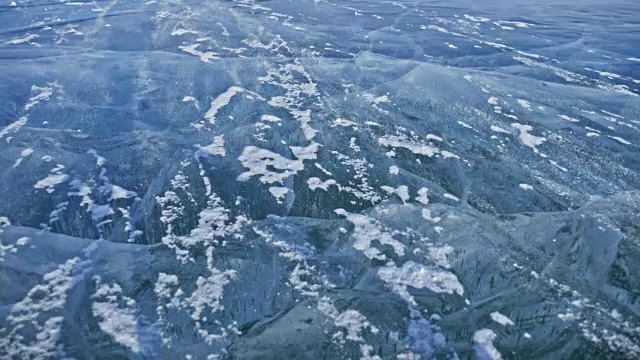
[[319, 179]]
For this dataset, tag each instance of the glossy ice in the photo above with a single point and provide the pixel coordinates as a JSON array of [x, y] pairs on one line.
[[320, 180]]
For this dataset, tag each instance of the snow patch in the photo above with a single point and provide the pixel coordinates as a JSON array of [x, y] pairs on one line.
[[22, 40], [402, 192], [40, 312], [180, 32], [484, 348], [526, 138], [501, 319], [619, 139], [344, 123], [451, 197], [568, 118], [499, 129], [13, 127], [221, 101], [279, 192], [117, 315], [271, 118], [315, 183], [215, 148], [394, 141], [204, 56], [418, 276], [51, 181], [39, 94], [25, 153], [423, 197], [366, 230], [525, 187], [525, 104]]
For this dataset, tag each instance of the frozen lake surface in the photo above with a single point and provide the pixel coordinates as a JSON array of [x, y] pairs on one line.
[[344, 179]]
